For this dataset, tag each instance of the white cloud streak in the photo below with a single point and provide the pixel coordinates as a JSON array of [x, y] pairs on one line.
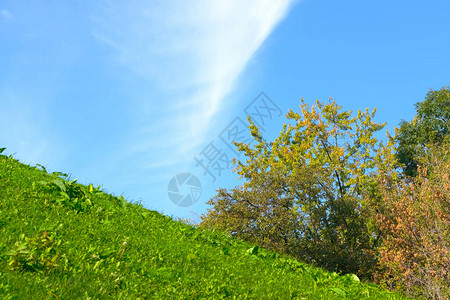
[[193, 51]]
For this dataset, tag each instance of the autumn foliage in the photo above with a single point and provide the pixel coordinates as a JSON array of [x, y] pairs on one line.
[[304, 193], [415, 222], [328, 192]]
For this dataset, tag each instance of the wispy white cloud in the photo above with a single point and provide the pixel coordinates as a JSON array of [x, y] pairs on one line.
[[193, 52], [6, 14]]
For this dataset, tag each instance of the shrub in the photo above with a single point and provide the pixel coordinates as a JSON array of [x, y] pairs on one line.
[[415, 222], [39, 253]]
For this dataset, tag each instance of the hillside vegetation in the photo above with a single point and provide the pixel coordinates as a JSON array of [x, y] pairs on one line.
[[328, 191], [63, 240]]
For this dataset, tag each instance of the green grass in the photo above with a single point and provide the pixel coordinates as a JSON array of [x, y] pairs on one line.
[[63, 240]]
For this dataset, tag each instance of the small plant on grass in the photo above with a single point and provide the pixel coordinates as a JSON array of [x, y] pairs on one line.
[[40, 253], [72, 194]]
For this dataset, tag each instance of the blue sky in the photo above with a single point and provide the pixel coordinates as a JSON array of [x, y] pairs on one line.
[[126, 94]]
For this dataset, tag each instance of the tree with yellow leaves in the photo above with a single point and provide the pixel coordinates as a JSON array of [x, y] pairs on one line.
[[305, 193]]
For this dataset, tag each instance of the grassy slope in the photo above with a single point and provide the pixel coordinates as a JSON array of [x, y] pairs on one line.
[[53, 246]]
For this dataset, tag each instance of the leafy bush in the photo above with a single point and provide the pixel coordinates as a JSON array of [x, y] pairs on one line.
[[71, 194], [415, 222]]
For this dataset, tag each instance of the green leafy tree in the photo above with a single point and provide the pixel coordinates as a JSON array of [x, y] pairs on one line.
[[304, 193], [431, 125]]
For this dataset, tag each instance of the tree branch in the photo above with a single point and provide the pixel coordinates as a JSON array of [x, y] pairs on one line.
[[335, 172]]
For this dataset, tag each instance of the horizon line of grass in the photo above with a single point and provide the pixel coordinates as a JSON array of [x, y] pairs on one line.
[[63, 240]]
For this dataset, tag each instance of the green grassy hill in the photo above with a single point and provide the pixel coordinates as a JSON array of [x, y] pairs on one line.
[[63, 240]]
